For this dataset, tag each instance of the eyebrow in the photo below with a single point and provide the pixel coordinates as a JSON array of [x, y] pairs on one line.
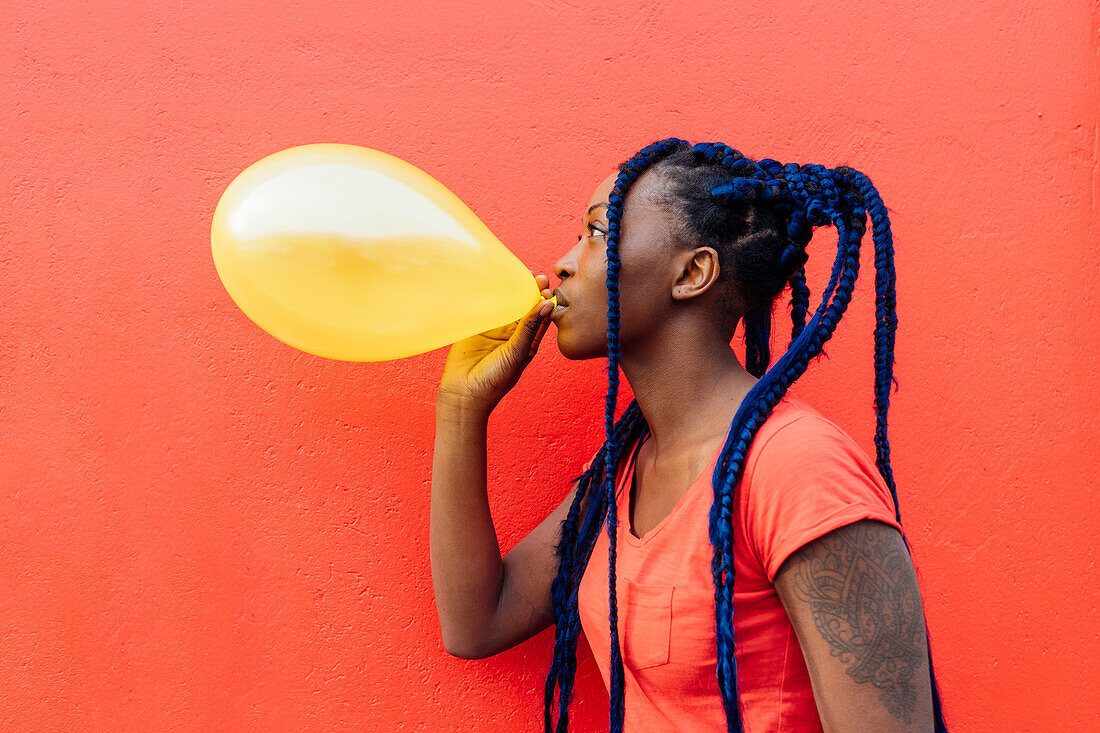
[[593, 207]]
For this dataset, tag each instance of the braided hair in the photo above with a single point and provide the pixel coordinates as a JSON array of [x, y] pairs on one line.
[[761, 214]]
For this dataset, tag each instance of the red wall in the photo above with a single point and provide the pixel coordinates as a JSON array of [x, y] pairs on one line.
[[202, 528]]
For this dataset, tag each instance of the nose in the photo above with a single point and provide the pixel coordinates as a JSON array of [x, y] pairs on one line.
[[565, 267]]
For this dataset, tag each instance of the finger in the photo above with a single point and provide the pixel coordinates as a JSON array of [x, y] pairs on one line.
[[532, 313], [543, 281], [529, 327], [501, 333], [538, 338], [536, 309]]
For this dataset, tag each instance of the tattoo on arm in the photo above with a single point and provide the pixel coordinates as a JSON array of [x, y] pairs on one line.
[[863, 594]]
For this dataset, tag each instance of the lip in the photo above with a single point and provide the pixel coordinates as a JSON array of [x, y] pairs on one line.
[[562, 305]]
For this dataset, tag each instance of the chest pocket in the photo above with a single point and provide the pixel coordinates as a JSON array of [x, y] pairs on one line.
[[646, 615]]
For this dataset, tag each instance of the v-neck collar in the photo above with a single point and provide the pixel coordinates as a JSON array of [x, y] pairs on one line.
[[629, 486]]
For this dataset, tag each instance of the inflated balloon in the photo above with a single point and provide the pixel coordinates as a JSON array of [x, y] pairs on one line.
[[353, 254]]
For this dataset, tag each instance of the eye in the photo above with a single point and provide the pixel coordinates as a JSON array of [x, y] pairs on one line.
[[592, 232]]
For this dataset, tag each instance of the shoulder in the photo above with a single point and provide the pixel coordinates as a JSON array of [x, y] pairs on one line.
[[805, 476], [797, 444], [796, 432]]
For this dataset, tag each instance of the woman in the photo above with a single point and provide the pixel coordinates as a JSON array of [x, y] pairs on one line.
[[759, 579]]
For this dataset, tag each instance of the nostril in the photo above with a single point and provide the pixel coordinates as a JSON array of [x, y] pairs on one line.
[[562, 271]]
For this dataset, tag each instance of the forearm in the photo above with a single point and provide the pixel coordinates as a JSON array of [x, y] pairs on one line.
[[465, 555]]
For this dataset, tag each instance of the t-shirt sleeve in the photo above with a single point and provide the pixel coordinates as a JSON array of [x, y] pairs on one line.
[[807, 479]]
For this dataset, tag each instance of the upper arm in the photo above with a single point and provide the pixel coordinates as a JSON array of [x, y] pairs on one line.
[[530, 567], [854, 602]]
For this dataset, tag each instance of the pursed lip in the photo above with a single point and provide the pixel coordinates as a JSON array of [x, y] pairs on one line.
[[563, 304]]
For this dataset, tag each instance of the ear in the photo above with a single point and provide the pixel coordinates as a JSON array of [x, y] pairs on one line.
[[697, 271]]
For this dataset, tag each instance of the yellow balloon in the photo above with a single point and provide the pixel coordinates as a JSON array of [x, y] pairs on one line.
[[353, 254]]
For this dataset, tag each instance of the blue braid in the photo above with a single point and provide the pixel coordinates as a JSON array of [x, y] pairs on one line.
[[806, 197], [749, 185], [634, 168], [886, 324], [758, 330], [754, 410], [798, 230], [800, 301], [630, 427], [571, 567]]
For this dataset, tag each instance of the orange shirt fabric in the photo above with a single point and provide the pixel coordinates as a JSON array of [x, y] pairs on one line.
[[804, 477]]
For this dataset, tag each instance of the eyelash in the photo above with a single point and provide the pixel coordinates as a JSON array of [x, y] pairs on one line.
[[593, 231]]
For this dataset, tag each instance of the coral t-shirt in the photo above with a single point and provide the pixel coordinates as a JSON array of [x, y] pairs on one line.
[[804, 477]]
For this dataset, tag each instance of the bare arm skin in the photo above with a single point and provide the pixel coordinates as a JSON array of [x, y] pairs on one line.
[[853, 599], [486, 604]]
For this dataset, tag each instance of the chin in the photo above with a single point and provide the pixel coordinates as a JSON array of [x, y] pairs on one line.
[[581, 351]]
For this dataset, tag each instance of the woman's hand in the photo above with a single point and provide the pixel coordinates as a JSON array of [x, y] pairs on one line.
[[481, 369]]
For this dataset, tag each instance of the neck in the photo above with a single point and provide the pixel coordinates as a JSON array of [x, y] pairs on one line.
[[688, 388]]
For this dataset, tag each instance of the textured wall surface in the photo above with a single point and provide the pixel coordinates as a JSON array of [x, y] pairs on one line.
[[204, 529]]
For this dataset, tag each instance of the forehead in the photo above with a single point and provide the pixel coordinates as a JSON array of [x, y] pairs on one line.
[[643, 190], [603, 190], [644, 211]]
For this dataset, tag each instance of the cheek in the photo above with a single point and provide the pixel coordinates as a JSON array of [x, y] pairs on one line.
[[643, 301], [634, 305], [593, 261], [583, 335]]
